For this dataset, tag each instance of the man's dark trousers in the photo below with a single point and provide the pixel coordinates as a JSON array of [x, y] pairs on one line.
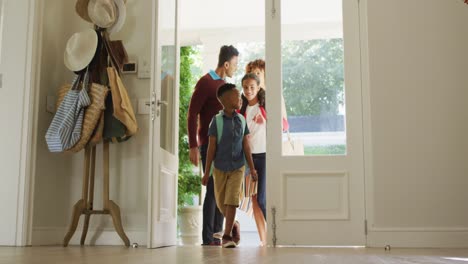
[[212, 217]]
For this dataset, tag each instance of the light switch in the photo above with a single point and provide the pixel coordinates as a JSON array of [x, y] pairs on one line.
[[50, 103], [144, 68]]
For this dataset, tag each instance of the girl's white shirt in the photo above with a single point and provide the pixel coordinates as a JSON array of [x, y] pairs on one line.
[[257, 131]]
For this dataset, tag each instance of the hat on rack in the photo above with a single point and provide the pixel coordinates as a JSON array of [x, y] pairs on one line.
[[121, 16], [103, 13], [80, 49], [81, 8]]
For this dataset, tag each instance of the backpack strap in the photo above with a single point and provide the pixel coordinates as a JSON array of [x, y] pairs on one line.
[[219, 126], [219, 130], [243, 122]]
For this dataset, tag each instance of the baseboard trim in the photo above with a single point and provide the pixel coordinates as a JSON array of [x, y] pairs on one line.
[[418, 237], [47, 236]]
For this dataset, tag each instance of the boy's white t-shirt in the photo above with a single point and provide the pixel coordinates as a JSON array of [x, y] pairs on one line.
[[257, 131]]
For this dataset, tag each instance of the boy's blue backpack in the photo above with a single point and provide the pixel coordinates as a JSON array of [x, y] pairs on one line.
[[219, 130], [220, 124]]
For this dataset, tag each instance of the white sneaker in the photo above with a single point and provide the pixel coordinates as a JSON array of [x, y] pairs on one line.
[[219, 235]]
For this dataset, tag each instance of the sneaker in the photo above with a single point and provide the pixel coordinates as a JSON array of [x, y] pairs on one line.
[[219, 235], [236, 232], [227, 242], [212, 243]]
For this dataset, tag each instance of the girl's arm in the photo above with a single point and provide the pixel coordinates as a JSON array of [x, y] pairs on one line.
[[209, 159], [248, 157]]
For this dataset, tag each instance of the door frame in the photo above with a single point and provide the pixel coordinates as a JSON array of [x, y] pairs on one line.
[[366, 119], [27, 172]]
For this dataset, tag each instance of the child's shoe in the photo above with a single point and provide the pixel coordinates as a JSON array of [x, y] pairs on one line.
[[236, 232], [218, 235], [227, 242]]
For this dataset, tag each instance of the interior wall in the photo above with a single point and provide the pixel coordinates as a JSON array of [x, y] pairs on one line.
[[418, 122], [14, 96], [58, 179]]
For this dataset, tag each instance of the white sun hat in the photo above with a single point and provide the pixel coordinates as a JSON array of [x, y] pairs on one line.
[[102, 13], [80, 49], [121, 16], [81, 8]]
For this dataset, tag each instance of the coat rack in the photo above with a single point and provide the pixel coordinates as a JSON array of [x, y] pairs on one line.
[[84, 206]]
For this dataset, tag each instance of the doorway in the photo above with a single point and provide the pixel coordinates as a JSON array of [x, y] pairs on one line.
[[312, 54]]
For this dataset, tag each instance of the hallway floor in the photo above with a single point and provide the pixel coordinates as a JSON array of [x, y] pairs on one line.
[[246, 254]]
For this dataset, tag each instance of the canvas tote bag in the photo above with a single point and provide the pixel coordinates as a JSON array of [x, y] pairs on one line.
[[122, 106], [92, 114], [65, 129]]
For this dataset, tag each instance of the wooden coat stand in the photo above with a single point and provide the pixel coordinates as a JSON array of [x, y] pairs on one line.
[[84, 206]]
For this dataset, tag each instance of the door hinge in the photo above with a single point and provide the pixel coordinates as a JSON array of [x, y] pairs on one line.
[[273, 10], [365, 227], [273, 226]]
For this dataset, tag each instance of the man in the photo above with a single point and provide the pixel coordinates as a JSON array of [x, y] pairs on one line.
[[204, 105]]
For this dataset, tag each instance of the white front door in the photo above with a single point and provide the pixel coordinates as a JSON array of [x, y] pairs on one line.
[[313, 58], [162, 187]]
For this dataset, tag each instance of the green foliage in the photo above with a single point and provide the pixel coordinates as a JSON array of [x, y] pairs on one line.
[[313, 74], [189, 182], [325, 150]]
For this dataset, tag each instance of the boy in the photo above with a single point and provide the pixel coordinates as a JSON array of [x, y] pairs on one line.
[[203, 106], [228, 150]]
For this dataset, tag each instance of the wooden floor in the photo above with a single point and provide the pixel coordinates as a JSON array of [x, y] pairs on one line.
[[198, 254]]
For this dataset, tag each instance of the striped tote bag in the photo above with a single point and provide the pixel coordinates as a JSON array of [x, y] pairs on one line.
[[65, 129]]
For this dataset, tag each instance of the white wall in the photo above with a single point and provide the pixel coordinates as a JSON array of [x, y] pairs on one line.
[[417, 158], [15, 67], [59, 176]]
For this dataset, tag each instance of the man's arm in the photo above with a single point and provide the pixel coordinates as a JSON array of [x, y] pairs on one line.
[[248, 157], [209, 159], [196, 103]]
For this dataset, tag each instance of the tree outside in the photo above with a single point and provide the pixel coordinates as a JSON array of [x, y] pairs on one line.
[[189, 180]]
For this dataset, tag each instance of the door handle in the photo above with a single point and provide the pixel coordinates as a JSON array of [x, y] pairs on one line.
[[159, 103], [162, 103]]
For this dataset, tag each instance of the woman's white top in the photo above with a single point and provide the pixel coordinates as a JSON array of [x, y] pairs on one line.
[[257, 131]]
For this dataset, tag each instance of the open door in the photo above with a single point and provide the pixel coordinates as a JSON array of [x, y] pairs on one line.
[[315, 198], [163, 156]]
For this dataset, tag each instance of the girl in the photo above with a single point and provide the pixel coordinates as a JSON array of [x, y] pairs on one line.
[[253, 108], [258, 68]]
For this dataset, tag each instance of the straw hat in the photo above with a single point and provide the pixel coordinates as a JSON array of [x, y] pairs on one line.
[[121, 16], [80, 49], [103, 13], [81, 8]]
